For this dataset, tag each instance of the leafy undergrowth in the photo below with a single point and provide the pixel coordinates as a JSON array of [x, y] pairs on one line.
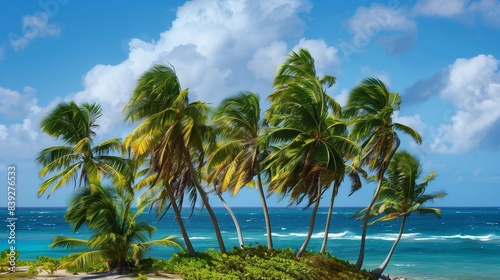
[[262, 263], [240, 263]]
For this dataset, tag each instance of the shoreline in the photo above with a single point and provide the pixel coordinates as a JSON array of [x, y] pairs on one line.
[[63, 274]]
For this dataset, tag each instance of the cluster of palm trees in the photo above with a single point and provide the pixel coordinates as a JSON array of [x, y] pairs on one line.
[[302, 146]]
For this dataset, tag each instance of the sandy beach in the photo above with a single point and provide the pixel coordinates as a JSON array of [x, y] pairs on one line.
[[63, 274]]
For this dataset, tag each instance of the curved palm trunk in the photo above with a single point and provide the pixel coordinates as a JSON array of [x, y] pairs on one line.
[[329, 217], [119, 267], [379, 270], [311, 225], [380, 176], [204, 198], [361, 255], [233, 216], [178, 217], [266, 212]]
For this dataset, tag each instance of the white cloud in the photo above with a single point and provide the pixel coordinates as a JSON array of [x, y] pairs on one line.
[[474, 89], [14, 104], [342, 97], [216, 47], [33, 27], [414, 122], [324, 56], [444, 8], [266, 60], [486, 10], [392, 28], [3, 132]]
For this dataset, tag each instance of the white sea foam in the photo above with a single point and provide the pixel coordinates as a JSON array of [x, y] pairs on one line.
[[341, 235], [483, 238], [393, 236], [404, 265], [199, 238]]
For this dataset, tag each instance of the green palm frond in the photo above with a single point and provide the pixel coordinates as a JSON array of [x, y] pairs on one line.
[[67, 243], [408, 131], [85, 259], [400, 194], [60, 179]]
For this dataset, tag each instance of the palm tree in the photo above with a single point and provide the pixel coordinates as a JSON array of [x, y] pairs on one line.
[[401, 196], [236, 161], [79, 159], [174, 132], [371, 108], [307, 135], [117, 236]]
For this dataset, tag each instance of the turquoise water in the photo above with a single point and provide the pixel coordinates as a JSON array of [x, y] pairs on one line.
[[463, 244]]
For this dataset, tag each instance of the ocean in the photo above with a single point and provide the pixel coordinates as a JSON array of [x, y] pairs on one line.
[[463, 244]]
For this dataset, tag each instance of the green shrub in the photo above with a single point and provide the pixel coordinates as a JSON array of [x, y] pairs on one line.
[[50, 267], [141, 277], [262, 263], [32, 270]]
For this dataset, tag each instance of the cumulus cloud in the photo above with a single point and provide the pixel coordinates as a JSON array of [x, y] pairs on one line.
[[33, 27], [325, 57], [266, 59], [14, 104], [216, 47], [473, 87], [19, 124]]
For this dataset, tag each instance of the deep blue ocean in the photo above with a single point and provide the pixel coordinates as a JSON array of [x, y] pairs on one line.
[[463, 244]]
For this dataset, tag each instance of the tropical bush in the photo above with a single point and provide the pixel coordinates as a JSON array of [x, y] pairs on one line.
[[262, 263]]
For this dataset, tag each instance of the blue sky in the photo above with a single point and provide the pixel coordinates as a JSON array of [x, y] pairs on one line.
[[442, 56]]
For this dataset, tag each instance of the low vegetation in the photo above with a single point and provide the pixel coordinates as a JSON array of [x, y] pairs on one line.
[[262, 263], [240, 263]]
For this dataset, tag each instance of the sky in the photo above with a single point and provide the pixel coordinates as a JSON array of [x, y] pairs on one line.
[[442, 56]]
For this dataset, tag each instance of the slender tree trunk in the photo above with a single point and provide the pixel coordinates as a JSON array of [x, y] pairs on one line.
[[378, 271], [311, 224], [380, 177], [329, 217], [266, 212], [233, 216], [204, 198], [361, 256], [178, 217]]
